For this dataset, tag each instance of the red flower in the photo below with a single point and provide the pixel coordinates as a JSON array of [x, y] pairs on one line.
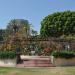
[[46, 49]]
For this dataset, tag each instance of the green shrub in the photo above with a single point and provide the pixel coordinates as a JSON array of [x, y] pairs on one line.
[[63, 54], [7, 54]]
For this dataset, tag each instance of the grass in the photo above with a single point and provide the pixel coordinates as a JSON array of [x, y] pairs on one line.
[[38, 71]]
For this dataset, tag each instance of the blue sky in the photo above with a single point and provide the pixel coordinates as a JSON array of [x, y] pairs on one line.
[[32, 10]]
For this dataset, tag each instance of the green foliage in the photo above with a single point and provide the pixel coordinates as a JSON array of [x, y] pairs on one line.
[[22, 26], [57, 24], [2, 34], [7, 54], [63, 54], [34, 33], [1, 38]]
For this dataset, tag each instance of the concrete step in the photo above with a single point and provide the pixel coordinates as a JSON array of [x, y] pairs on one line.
[[32, 65], [36, 62]]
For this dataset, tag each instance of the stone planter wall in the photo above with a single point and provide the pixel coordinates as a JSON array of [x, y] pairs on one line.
[[8, 62], [64, 62]]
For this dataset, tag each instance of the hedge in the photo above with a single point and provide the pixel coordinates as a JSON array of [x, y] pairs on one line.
[[63, 54], [7, 54]]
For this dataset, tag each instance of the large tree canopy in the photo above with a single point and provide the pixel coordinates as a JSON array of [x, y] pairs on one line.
[[57, 24]]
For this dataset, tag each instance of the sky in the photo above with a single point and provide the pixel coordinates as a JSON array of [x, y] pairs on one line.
[[32, 10]]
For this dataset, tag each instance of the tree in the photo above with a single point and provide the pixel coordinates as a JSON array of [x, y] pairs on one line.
[[22, 25], [58, 24], [2, 34], [34, 33]]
